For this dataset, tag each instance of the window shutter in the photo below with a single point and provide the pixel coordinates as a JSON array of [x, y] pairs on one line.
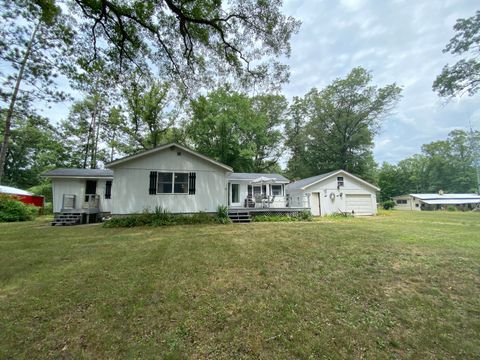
[[192, 183], [152, 189]]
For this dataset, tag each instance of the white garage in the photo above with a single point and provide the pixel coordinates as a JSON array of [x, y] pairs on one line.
[[336, 192]]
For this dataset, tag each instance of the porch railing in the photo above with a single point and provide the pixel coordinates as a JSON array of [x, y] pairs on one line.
[[68, 201], [278, 201], [91, 202]]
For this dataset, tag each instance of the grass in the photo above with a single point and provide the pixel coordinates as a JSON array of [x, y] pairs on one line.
[[402, 285]]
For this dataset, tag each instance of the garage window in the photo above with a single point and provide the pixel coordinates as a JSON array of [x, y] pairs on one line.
[[340, 181]]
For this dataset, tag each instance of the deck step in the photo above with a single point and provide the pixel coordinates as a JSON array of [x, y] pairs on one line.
[[67, 219], [238, 216]]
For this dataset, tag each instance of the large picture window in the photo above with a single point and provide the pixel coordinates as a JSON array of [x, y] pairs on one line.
[[172, 183]]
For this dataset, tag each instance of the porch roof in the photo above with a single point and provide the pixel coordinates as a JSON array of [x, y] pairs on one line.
[[252, 176], [79, 173]]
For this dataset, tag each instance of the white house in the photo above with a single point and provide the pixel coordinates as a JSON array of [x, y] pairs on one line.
[[418, 202], [334, 192], [172, 177]]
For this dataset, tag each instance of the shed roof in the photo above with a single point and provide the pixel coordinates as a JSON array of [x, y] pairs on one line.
[[304, 183], [82, 173], [451, 201], [13, 191], [253, 176], [445, 196]]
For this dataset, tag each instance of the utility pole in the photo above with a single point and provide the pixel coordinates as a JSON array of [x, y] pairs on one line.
[[476, 155]]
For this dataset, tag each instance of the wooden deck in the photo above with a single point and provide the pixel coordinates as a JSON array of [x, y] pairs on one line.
[[243, 214]]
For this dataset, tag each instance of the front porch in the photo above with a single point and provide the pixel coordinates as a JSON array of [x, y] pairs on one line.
[[76, 212]]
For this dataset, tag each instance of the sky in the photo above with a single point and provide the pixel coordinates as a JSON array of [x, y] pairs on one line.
[[398, 41]]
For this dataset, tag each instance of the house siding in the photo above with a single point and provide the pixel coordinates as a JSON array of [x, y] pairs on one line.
[[76, 186], [130, 193]]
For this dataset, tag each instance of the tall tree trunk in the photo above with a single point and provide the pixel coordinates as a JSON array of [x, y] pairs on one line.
[[13, 100], [96, 143], [94, 124]]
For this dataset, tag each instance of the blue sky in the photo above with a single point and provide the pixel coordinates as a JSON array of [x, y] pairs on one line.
[[399, 41]]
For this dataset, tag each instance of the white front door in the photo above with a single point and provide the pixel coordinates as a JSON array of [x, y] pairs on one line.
[[235, 194], [315, 204]]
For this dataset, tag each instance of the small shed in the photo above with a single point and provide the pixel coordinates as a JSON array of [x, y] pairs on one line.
[[22, 195], [336, 192]]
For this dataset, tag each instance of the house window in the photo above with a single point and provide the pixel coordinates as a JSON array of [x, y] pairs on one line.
[[340, 181], [401, 202], [276, 189], [108, 189], [257, 190], [164, 183], [181, 183], [172, 183]]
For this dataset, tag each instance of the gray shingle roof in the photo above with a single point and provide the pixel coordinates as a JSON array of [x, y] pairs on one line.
[[253, 176], [298, 185], [94, 173]]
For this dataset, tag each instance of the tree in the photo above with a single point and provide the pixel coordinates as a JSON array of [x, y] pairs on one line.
[[464, 75], [81, 131], [296, 139], [150, 117], [33, 40], [446, 165], [35, 146], [190, 41], [238, 130], [342, 120]]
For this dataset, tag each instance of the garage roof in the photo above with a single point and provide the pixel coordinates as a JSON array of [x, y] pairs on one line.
[[304, 183]]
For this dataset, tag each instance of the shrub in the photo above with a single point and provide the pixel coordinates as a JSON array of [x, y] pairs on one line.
[[302, 216], [222, 215], [44, 189], [388, 204], [14, 210], [160, 217], [451, 208]]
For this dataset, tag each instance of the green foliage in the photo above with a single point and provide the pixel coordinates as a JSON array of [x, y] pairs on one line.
[[14, 210], [34, 147], [160, 217], [446, 165], [192, 42], [388, 204], [302, 216], [340, 125], [241, 131], [464, 75], [222, 215], [43, 189], [451, 208]]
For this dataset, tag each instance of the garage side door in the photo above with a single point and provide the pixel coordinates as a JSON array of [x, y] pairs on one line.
[[359, 203]]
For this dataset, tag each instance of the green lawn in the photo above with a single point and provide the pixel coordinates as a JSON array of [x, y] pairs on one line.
[[402, 285]]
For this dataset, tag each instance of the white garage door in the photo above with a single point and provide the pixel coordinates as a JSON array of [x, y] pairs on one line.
[[359, 203]]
